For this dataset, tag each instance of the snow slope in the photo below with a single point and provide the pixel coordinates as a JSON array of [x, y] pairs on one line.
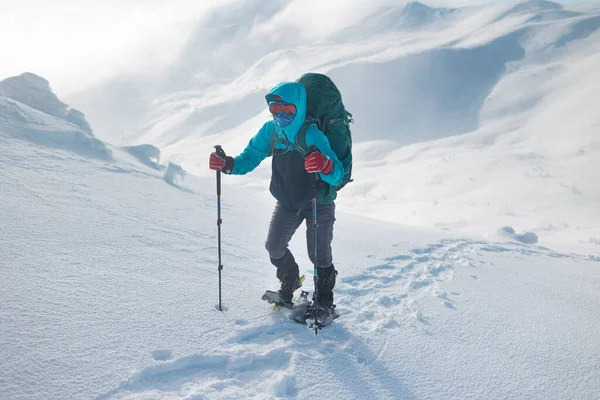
[[467, 118], [18, 120], [108, 286], [35, 92]]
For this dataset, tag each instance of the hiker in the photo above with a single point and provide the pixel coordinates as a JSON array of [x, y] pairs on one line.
[[299, 150]]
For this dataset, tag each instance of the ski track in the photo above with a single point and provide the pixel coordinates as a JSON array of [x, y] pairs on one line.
[[264, 359]]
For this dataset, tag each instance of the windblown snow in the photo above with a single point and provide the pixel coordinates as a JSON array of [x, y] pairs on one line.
[[467, 246], [465, 118]]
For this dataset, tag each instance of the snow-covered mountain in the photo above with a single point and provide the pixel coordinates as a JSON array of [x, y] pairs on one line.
[[448, 103], [108, 285], [34, 91], [476, 144], [30, 110]]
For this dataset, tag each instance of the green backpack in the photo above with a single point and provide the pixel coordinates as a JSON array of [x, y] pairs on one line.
[[324, 108]]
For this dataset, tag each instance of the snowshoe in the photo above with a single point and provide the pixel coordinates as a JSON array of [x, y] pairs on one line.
[[281, 299], [325, 316], [274, 298]]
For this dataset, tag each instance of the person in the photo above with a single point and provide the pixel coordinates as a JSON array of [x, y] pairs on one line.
[[291, 185]]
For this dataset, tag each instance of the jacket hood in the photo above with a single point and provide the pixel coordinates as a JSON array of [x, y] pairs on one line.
[[294, 93]]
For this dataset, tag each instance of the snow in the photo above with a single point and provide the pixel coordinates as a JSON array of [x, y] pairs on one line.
[[146, 154], [525, 237], [117, 287], [20, 121], [467, 246], [458, 101], [173, 173], [34, 91]]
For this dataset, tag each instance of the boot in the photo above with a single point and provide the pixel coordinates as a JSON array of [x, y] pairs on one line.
[[288, 274], [325, 287]]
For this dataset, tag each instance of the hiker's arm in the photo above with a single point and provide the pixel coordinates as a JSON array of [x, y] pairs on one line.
[[256, 151], [314, 137]]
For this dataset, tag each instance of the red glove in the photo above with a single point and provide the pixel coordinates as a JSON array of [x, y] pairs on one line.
[[317, 162], [219, 163], [216, 162]]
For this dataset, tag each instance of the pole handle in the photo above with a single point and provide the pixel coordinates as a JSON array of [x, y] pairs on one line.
[[220, 152]]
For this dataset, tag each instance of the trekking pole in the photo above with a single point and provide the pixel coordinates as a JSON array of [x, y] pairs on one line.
[[316, 324], [221, 153]]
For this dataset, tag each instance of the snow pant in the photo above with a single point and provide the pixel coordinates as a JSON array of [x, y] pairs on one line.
[[284, 224]]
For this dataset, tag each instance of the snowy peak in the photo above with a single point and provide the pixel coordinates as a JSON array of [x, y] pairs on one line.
[[540, 9], [19, 121], [415, 13], [30, 111], [26, 80], [413, 16], [35, 92], [529, 5]]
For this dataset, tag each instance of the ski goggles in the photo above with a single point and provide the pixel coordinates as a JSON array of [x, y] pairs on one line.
[[276, 108]]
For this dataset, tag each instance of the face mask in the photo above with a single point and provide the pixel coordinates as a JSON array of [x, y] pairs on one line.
[[283, 119]]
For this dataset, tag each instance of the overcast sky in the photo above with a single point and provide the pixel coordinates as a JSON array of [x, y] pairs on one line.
[[75, 43], [63, 40]]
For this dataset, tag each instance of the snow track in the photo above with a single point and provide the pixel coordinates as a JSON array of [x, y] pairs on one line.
[[119, 291], [267, 357]]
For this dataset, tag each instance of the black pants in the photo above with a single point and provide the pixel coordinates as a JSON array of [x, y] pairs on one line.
[[284, 224]]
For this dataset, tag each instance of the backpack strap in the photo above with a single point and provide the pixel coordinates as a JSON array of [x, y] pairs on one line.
[[301, 135], [273, 142], [275, 139], [300, 145]]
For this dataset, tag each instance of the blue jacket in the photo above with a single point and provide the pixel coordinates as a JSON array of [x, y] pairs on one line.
[[290, 183]]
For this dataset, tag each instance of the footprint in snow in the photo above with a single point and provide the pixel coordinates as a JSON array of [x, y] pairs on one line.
[[161, 354], [400, 280]]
